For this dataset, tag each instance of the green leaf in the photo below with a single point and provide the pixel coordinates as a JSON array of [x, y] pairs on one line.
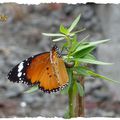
[[75, 22], [74, 40], [76, 45], [99, 42], [78, 31], [71, 80], [81, 71], [58, 39], [84, 52], [91, 61], [87, 45], [53, 34], [90, 56], [80, 89], [32, 89], [101, 77], [65, 44], [63, 30]]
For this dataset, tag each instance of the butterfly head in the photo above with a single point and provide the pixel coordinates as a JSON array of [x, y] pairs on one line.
[[55, 48]]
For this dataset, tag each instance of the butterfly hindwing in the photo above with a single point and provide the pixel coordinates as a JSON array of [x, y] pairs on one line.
[[60, 68], [43, 73]]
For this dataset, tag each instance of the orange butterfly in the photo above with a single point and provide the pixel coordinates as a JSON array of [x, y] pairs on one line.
[[47, 70]]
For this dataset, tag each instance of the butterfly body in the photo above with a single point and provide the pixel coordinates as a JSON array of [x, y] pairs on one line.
[[47, 70]]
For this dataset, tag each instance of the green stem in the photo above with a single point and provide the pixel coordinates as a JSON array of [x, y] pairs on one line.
[[71, 81], [69, 46], [70, 94]]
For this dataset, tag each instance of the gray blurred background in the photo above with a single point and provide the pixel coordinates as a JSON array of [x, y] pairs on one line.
[[20, 37]]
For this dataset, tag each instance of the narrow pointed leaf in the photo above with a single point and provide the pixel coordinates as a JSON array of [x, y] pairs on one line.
[[99, 42], [78, 31], [53, 34], [87, 45], [90, 56], [101, 76], [58, 39], [74, 23], [81, 71], [32, 89], [63, 30], [84, 52], [76, 45], [91, 61]]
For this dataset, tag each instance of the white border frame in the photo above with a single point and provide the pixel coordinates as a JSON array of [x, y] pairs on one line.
[[59, 1]]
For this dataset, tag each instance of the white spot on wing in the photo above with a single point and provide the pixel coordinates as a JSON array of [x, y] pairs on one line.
[[20, 66], [19, 74]]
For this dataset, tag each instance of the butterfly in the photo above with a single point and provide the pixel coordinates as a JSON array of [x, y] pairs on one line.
[[47, 70]]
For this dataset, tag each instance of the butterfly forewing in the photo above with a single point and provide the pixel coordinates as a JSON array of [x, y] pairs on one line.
[[19, 72], [35, 69]]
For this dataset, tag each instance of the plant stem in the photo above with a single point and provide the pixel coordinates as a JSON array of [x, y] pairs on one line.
[[70, 94], [69, 46], [79, 109]]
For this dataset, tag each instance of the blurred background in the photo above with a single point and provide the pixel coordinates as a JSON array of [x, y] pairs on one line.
[[20, 37]]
